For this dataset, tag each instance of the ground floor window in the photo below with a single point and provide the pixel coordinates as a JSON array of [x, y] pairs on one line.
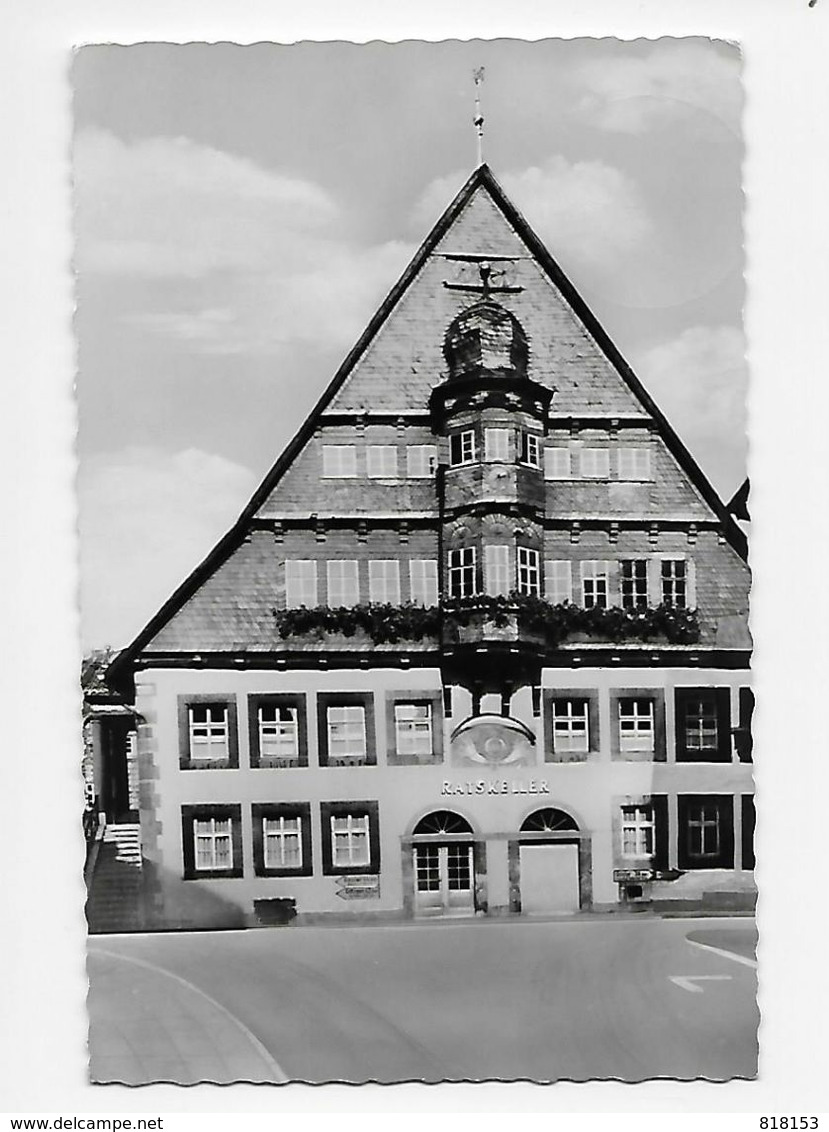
[[637, 831], [282, 839], [350, 837], [706, 831], [212, 841]]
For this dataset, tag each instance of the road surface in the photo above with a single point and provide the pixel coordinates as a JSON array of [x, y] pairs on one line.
[[587, 998]]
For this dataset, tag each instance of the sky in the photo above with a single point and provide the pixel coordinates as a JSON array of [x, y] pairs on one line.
[[241, 211]]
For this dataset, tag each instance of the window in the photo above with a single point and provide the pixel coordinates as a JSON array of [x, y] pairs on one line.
[[594, 584], [634, 464], [300, 583], [207, 732], [558, 581], [703, 724], [529, 571], [413, 728], [381, 461], [637, 831], [339, 460], [496, 444], [462, 448], [496, 561], [557, 463], [211, 841], [674, 582], [345, 725], [343, 584], [421, 461], [636, 725], [570, 726], [706, 831], [634, 583], [282, 839], [462, 581], [423, 581], [530, 449], [384, 580], [594, 463], [347, 732], [350, 837], [277, 730]]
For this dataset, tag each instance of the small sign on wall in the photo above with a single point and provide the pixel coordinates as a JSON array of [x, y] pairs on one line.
[[359, 887]]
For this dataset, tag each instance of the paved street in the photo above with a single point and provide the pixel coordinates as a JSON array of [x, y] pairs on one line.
[[629, 998]]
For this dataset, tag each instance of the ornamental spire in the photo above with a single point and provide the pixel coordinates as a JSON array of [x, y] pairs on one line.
[[478, 120]]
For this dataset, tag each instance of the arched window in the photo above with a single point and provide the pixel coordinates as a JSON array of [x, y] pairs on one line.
[[549, 821], [442, 821]]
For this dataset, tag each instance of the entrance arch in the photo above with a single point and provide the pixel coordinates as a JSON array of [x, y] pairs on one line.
[[550, 864], [443, 852]]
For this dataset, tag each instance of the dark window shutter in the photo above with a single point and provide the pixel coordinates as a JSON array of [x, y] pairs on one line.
[[748, 830], [723, 701], [745, 742], [726, 808], [681, 705], [659, 804]]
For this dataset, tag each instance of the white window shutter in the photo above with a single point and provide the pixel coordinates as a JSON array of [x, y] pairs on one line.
[[558, 581]]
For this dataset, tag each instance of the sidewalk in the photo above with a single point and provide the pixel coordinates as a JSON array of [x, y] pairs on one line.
[[147, 1026]]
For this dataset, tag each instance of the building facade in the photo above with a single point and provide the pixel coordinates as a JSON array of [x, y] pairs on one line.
[[477, 646]]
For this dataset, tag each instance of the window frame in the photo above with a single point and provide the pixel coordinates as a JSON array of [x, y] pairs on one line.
[[190, 814], [554, 455], [673, 581], [430, 582], [427, 457], [497, 574], [595, 575], [375, 470], [328, 460], [414, 697], [497, 444], [656, 697], [589, 454], [326, 700], [373, 567], [531, 566], [333, 565], [264, 811], [462, 571], [295, 700], [530, 449], [633, 455], [203, 699], [553, 697], [721, 698], [646, 825], [467, 448], [360, 809], [634, 582], [723, 856]]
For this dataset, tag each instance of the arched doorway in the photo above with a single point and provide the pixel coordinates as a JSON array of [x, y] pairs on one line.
[[444, 865], [549, 863]]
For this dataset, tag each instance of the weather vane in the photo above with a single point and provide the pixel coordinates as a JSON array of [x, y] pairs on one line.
[[478, 75]]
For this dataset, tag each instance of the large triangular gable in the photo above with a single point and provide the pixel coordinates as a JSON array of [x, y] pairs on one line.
[[357, 384]]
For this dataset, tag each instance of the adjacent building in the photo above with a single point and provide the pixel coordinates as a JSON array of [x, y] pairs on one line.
[[478, 645]]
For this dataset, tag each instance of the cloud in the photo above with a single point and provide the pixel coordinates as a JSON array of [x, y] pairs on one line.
[[253, 261], [170, 207], [147, 518], [590, 212], [631, 94], [700, 381]]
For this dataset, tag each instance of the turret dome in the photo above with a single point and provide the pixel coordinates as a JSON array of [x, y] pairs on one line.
[[486, 338]]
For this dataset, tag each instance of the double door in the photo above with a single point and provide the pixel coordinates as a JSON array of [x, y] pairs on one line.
[[444, 879]]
